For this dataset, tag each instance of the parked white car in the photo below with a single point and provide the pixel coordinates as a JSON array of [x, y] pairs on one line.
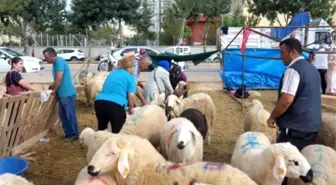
[[71, 54], [30, 64], [178, 50]]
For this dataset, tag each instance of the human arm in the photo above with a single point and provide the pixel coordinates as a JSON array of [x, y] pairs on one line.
[[59, 68], [290, 83], [166, 83], [26, 85], [131, 94], [183, 77]]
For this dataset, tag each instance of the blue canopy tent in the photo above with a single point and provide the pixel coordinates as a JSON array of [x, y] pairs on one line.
[[259, 73]]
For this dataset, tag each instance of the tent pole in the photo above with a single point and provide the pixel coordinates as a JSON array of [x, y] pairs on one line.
[[234, 38], [243, 71]]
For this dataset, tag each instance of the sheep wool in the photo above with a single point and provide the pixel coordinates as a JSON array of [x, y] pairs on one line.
[[130, 169], [181, 142], [323, 162], [147, 122], [256, 120], [268, 163], [11, 179], [198, 119], [93, 84], [200, 101], [326, 135], [84, 178]]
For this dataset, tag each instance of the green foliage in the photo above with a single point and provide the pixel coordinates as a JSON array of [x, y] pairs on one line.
[[103, 32], [144, 23], [271, 9], [90, 14]]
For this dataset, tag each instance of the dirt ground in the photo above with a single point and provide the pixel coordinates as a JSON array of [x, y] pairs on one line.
[[58, 162]]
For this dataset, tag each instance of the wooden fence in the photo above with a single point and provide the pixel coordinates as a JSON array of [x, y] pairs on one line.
[[23, 120]]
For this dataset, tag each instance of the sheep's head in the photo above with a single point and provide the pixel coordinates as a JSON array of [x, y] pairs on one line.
[[291, 163], [86, 136], [186, 133], [111, 156], [181, 85], [159, 100], [173, 101]]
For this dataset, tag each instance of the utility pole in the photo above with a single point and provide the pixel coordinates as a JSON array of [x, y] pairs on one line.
[[159, 25]]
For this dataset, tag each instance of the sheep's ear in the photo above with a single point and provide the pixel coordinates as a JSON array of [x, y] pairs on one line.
[[181, 97], [123, 165], [122, 144], [279, 168]]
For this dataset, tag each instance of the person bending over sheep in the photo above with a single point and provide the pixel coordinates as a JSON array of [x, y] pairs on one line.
[[140, 65], [119, 89], [158, 81], [298, 110]]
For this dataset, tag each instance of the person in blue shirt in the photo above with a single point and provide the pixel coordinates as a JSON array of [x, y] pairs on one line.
[[118, 91], [66, 93]]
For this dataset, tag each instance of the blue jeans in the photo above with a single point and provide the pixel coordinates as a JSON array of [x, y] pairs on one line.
[[67, 116]]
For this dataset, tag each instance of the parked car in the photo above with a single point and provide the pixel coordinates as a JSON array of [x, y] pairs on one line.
[[178, 50], [215, 56], [30, 64], [111, 61], [71, 54]]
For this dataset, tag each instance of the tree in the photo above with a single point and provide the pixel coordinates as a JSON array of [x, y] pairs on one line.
[[144, 23], [24, 17], [194, 9], [172, 26], [271, 9], [90, 14]]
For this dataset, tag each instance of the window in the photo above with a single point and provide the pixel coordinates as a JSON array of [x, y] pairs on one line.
[[171, 50], [60, 51], [179, 50], [185, 49], [150, 52], [128, 50], [12, 52], [322, 37], [80, 51]]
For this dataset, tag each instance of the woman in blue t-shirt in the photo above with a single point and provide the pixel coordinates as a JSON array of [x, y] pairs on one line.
[[118, 91]]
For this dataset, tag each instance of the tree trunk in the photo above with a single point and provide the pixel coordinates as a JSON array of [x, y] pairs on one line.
[[121, 41], [24, 38]]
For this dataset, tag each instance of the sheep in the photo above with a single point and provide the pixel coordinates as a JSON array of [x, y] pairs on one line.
[[94, 140], [198, 119], [326, 135], [323, 162], [200, 101], [254, 94], [181, 89], [11, 179], [256, 120], [130, 168], [147, 122], [93, 84], [181, 142], [84, 178], [268, 163]]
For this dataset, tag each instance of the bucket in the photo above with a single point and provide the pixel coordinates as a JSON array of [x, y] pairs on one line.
[[13, 165]]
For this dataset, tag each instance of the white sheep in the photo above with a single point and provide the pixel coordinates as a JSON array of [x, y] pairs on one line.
[[323, 162], [93, 140], [83, 178], [158, 100], [93, 84], [268, 163], [256, 120], [130, 168], [181, 142], [147, 122], [327, 134], [200, 101], [11, 179]]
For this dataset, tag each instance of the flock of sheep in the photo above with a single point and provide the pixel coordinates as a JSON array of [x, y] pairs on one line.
[[152, 149]]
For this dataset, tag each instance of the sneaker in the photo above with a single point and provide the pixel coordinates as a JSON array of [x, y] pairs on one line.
[[71, 138]]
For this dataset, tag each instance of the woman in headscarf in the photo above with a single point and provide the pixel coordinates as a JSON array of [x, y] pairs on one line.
[[158, 81]]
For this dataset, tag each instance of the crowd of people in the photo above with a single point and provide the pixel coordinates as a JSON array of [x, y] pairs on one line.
[[118, 93]]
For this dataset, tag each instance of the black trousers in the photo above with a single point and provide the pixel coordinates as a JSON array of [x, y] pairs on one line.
[[296, 138], [323, 80], [107, 111]]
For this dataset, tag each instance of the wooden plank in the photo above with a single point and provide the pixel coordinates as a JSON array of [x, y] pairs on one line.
[[7, 132], [15, 120], [20, 120], [331, 108], [328, 100], [29, 143]]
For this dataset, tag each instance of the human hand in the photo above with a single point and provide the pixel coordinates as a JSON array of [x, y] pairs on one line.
[[51, 87], [271, 122], [130, 111], [146, 102]]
